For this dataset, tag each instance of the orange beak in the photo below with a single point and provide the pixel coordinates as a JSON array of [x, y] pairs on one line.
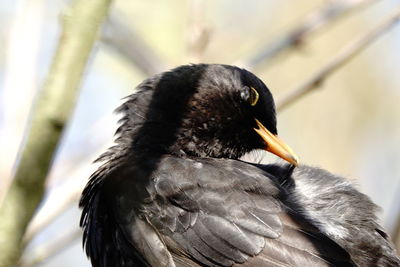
[[275, 145]]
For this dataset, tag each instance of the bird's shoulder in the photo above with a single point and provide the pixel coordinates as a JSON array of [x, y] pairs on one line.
[[216, 211]]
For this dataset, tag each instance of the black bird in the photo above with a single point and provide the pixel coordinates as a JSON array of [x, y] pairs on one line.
[[173, 192]]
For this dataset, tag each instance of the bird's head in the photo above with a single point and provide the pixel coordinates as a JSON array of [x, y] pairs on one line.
[[203, 110]]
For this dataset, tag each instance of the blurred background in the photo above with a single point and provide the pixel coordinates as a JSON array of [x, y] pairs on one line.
[[350, 125]]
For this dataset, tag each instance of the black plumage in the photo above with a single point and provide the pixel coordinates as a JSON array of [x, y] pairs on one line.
[[172, 191]]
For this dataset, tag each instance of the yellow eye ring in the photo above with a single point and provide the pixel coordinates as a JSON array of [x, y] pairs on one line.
[[254, 96]]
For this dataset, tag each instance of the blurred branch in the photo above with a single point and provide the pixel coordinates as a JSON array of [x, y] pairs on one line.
[[338, 61], [296, 37], [52, 248], [44, 220], [52, 109], [198, 32], [123, 39]]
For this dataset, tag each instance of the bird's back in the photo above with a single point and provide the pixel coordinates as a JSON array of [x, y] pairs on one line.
[[219, 212]]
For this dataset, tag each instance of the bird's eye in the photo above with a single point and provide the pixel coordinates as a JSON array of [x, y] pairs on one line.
[[253, 96], [250, 95]]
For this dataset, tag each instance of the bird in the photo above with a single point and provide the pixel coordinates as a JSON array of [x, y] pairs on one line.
[[174, 191]]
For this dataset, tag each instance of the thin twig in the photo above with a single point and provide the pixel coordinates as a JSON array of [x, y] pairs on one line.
[[345, 55], [46, 219], [52, 248], [123, 39], [319, 18]]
